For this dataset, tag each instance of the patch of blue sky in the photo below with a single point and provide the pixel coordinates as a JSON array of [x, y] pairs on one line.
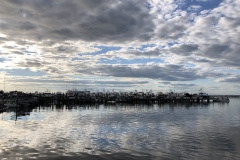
[[110, 61], [79, 59], [204, 5], [148, 5], [170, 44], [144, 47], [189, 65], [103, 49], [29, 52], [132, 61], [144, 60], [203, 81], [2, 59], [24, 72]]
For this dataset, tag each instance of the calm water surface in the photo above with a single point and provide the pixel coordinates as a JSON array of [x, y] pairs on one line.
[[169, 131]]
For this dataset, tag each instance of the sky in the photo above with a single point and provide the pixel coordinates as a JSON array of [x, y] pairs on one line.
[[120, 45]]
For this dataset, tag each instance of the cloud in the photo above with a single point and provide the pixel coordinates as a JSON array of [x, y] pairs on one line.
[[203, 0], [106, 20], [233, 79], [167, 73], [216, 50], [35, 80], [194, 8], [184, 49], [59, 83], [183, 85], [171, 30], [134, 53], [201, 60]]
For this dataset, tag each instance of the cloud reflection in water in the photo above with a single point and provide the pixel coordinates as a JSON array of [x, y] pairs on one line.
[[122, 132]]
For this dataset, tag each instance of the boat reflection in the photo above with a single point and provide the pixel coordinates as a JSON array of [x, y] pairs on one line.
[[26, 111]]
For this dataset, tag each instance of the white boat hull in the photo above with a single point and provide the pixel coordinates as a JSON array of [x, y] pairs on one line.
[[10, 105], [221, 99]]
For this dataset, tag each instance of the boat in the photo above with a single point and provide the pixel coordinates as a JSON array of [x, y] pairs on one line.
[[221, 99], [47, 94], [111, 102], [10, 104], [72, 94], [1, 93], [203, 95]]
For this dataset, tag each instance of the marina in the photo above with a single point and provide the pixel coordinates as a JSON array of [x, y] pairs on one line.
[[20, 99], [118, 125]]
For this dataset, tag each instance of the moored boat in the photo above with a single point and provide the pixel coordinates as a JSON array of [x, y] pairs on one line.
[[10, 104], [47, 94], [221, 99]]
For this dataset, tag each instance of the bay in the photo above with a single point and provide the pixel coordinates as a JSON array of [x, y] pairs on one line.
[[184, 131]]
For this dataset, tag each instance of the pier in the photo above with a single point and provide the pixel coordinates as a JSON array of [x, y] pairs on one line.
[[106, 98], [81, 97]]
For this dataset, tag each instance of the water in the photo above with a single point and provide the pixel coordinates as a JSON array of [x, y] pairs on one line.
[[169, 131]]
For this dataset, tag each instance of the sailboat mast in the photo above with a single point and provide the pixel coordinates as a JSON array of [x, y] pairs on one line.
[[4, 83]]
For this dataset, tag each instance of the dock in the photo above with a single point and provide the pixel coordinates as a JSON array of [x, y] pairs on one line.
[[84, 97], [21, 100], [82, 100]]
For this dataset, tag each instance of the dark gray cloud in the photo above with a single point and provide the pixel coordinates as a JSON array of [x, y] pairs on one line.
[[235, 79], [230, 58], [84, 82], [166, 83], [166, 73], [185, 49], [53, 70], [234, 62], [17, 52], [184, 85], [218, 55], [3, 40], [89, 20], [214, 74], [16, 2], [171, 30], [120, 82], [133, 54], [216, 50], [150, 53], [212, 54], [27, 26], [29, 63]]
